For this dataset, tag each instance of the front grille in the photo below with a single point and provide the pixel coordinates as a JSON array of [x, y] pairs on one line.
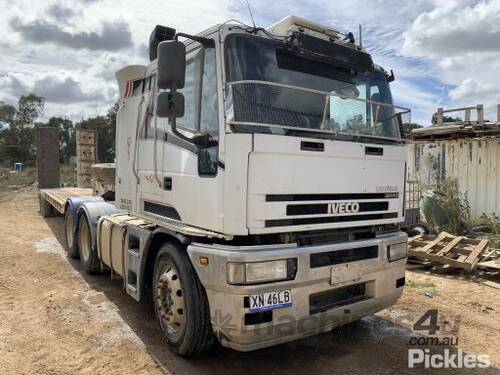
[[326, 237], [329, 197], [323, 208], [328, 219], [330, 258], [347, 295], [315, 239]]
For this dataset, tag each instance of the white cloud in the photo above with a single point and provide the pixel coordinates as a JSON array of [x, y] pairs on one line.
[[453, 28], [462, 40], [435, 47], [68, 51], [113, 36], [471, 87]]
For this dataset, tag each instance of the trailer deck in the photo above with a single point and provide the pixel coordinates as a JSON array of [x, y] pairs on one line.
[[58, 197]]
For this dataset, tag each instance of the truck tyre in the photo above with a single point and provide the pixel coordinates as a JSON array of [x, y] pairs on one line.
[[69, 235], [88, 253], [45, 208], [180, 302]]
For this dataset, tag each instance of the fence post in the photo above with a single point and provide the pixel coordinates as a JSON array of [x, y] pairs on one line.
[[467, 115], [440, 117], [480, 114]]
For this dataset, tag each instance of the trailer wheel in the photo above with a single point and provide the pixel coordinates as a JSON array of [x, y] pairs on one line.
[[88, 254], [69, 235], [180, 302], [45, 208]]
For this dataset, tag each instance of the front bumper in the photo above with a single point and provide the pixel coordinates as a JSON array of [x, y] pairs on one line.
[[382, 282]]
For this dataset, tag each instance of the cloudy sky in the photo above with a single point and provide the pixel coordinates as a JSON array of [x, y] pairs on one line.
[[444, 53]]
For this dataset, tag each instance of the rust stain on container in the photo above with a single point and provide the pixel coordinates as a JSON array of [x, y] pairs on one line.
[[474, 166]]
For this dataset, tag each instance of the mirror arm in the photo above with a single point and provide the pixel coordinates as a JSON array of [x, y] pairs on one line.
[[177, 133], [204, 140], [206, 42], [201, 140]]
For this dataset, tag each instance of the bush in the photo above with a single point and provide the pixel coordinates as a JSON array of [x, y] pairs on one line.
[[445, 208]]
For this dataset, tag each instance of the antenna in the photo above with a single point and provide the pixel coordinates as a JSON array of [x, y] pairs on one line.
[[360, 36], [251, 15]]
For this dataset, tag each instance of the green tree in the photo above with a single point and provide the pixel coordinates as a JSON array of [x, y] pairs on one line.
[[445, 119], [29, 108], [7, 114], [67, 137], [407, 128], [17, 133], [18, 125]]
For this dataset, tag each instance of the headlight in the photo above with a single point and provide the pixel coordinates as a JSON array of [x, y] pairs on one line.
[[261, 272], [396, 251]]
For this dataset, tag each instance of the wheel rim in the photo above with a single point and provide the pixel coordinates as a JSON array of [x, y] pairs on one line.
[[69, 230], [85, 245], [170, 300]]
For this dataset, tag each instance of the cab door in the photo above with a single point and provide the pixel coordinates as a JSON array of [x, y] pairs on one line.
[[193, 180]]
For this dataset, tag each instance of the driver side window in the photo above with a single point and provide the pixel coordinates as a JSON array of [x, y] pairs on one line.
[[191, 91]]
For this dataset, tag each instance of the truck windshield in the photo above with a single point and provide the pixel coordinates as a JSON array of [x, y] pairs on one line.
[[273, 90]]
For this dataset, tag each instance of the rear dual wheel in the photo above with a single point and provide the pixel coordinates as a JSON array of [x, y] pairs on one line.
[[69, 235], [88, 254]]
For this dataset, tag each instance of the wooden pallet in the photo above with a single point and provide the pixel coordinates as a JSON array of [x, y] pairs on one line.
[[447, 249]]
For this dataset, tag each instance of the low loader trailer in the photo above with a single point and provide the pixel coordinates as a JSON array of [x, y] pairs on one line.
[[259, 187]]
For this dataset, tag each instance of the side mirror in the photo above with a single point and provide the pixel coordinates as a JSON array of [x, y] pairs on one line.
[[170, 105], [171, 65]]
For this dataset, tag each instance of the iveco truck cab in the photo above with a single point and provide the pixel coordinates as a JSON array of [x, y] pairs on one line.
[[259, 186]]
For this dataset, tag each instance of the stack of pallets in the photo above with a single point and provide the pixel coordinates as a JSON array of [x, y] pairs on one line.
[[447, 249]]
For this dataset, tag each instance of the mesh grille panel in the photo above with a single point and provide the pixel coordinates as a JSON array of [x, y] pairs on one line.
[[277, 105]]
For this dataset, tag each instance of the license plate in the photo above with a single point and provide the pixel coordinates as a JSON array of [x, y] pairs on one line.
[[270, 301], [346, 272]]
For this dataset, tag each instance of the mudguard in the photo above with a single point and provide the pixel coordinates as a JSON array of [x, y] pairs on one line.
[[93, 210], [74, 203]]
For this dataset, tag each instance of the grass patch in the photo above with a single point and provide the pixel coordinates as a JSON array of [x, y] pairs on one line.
[[420, 284], [26, 177], [495, 242], [29, 177], [426, 286]]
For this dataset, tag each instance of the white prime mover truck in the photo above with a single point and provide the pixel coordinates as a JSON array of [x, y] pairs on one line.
[[259, 186]]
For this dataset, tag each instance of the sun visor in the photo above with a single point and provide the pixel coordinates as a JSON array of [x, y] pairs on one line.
[[335, 53]]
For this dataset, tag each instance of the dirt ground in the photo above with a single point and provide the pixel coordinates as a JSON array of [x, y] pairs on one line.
[[54, 319]]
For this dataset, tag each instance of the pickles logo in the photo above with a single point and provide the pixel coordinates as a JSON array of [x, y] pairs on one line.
[[439, 347], [343, 208]]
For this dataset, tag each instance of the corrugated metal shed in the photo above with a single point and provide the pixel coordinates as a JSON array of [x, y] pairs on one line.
[[473, 161]]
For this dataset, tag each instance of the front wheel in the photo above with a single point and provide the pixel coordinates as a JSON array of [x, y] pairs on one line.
[[180, 302]]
